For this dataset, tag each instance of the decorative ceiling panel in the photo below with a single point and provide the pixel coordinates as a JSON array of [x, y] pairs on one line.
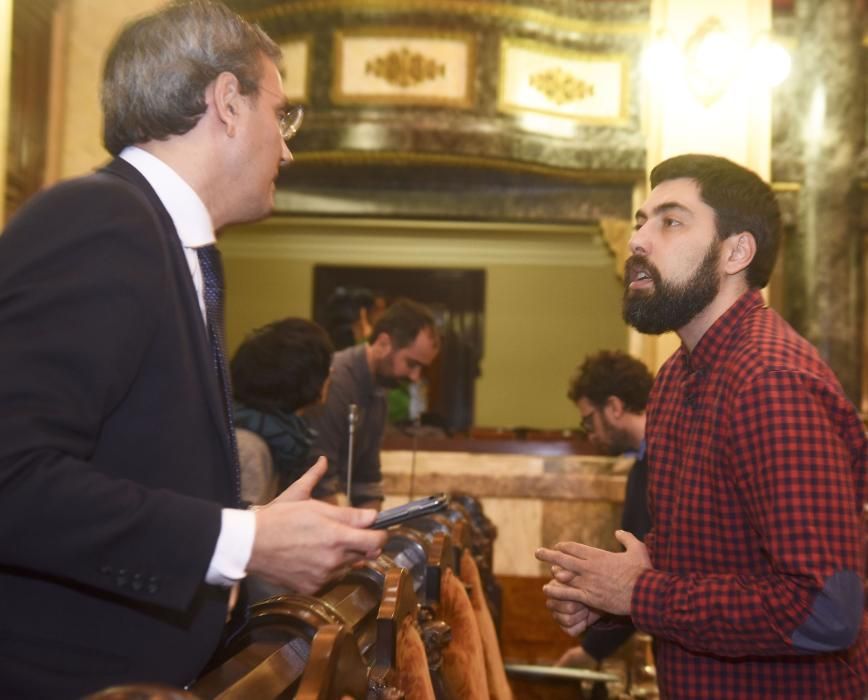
[[403, 66], [588, 87]]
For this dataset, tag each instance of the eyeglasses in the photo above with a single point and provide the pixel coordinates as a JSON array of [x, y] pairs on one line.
[[290, 119], [290, 122]]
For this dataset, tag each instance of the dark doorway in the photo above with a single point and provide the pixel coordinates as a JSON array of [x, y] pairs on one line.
[[457, 299]]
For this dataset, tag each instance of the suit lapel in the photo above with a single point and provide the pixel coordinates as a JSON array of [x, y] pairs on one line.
[[188, 305]]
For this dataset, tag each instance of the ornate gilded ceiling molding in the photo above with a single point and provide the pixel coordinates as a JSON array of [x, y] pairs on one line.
[[513, 13], [405, 68], [397, 65], [575, 85], [560, 87]]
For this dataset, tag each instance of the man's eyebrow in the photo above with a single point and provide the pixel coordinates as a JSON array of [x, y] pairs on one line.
[[662, 208]]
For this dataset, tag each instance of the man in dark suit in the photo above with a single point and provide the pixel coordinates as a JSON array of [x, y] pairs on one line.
[[121, 531]]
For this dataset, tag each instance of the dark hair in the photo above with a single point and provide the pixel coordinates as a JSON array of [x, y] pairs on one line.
[[282, 366], [741, 200], [402, 321], [157, 71], [343, 309], [612, 373]]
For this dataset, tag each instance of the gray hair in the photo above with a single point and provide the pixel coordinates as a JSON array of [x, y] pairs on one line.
[[158, 69]]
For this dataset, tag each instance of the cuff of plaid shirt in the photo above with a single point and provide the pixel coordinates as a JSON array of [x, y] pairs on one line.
[[648, 607]]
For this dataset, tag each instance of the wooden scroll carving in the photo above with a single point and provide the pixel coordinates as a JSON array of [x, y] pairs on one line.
[[335, 670]]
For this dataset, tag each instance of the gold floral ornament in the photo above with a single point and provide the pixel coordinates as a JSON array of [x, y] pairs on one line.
[[405, 68], [560, 87]]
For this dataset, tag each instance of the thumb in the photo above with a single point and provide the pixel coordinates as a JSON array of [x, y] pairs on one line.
[[301, 488], [627, 539], [353, 517]]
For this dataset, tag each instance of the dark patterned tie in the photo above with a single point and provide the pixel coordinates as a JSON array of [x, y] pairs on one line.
[[212, 276]]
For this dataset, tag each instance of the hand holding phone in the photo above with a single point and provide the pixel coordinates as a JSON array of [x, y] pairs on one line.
[[408, 511]]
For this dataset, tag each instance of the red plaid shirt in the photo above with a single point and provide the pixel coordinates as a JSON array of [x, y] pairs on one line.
[[757, 480]]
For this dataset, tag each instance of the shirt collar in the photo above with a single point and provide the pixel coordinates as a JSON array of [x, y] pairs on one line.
[[716, 341], [187, 211]]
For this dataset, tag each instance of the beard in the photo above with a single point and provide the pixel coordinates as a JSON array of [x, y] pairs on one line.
[[384, 375], [667, 306]]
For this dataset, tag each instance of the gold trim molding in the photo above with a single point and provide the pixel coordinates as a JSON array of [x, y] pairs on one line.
[[513, 13], [630, 177]]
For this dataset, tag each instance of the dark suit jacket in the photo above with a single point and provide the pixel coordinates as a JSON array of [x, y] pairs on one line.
[[114, 456]]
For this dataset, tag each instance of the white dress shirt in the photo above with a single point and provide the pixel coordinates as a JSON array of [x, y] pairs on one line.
[[195, 229]]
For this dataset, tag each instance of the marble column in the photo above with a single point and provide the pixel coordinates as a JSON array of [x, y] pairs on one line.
[[824, 271]]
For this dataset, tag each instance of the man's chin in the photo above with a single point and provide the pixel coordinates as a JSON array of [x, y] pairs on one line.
[[388, 382]]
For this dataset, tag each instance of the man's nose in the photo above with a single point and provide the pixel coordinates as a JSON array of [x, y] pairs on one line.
[[415, 374], [639, 244]]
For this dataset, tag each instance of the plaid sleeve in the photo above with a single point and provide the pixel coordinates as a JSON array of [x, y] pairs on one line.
[[793, 478]]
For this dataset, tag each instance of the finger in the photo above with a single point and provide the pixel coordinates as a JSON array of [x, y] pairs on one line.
[[566, 577], [565, 593], [577, 629], [577, 550], [628, 539], [564, 561], [564, 607], [302, 487]]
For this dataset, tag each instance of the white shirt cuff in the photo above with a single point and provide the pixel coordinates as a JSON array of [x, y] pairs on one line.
[[234, 546]]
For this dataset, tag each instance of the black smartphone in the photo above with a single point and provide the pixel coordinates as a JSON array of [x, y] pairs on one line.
[[408, 511]]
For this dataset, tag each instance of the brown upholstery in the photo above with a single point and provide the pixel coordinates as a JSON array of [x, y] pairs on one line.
[[498, 686], [412, 662], [463, 658]]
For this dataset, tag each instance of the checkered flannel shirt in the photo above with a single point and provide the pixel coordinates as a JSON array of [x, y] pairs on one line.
[[757, 483]]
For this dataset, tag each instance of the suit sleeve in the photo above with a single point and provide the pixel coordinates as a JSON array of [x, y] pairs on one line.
[[81, 294]]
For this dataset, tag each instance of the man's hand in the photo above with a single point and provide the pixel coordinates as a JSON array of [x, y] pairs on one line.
[[573, 617], [601, 580], [302, 544]]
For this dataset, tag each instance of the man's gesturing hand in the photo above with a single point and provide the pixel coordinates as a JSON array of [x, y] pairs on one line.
[[600, 580]]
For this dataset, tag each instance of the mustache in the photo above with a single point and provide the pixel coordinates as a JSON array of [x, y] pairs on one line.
[[639, 263]]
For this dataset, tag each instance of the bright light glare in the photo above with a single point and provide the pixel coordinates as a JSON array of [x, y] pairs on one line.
[[662, 58], [714, 56], [770, 61]]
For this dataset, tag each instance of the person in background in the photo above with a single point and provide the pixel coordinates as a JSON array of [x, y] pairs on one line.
[[752, 579], [278, 371], [403, 342], [121, 527], [346, 318], [610, 390]]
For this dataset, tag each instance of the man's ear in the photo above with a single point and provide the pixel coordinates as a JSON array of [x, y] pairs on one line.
[[226, 99], [614, 407], [739, 251], [382, 345]]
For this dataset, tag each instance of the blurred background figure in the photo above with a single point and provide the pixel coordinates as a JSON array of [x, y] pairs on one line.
[[350, 313], [611, 389], [277, 372]]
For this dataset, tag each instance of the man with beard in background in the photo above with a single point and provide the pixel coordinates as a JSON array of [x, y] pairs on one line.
[[752, 577], [402, 343]]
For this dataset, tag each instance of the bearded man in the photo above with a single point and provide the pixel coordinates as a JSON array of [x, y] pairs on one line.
[[402, 344], [752, 578]]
